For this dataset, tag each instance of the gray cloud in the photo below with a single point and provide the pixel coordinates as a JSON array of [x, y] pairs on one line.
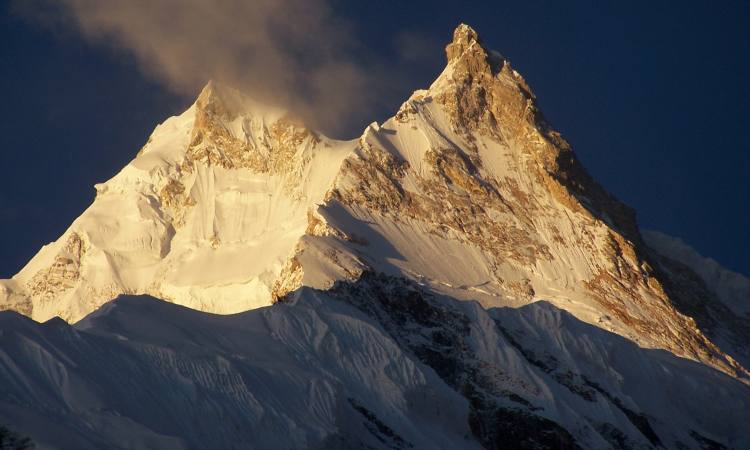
[[295, 53]]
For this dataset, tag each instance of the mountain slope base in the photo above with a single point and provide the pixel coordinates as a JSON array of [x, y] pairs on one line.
[[379, 363]]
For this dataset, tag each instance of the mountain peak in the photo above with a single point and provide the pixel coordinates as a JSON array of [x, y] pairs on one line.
[[464, 37], [223, 101], [213, 92]]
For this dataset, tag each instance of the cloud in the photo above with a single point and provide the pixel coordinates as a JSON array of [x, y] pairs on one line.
[[296, 53]]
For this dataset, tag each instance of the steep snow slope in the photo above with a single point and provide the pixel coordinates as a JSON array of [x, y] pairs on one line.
[[406, 370], [204, 216], [141, 373]]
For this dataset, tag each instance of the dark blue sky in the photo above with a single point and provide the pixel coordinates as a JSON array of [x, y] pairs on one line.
[[652, 96]]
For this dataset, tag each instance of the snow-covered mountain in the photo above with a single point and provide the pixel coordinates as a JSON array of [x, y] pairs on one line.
[[204, 216], [451, 279]]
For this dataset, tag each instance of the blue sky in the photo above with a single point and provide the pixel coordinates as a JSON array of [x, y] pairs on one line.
[[652, 97]]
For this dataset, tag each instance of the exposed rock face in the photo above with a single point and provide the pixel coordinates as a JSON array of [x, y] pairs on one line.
[[62, 275], [261, 147], [467, 190]]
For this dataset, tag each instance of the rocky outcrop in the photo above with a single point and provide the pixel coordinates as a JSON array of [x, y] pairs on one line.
[[63, 274]]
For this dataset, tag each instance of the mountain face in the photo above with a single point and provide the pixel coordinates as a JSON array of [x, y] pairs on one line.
[[453, 278], [204, 216]]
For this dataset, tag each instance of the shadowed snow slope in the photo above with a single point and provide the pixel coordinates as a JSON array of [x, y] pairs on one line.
[[378, 363], [732, 288], [142, 373]]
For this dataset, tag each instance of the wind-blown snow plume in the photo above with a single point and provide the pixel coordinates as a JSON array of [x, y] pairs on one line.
[[298, 54]]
